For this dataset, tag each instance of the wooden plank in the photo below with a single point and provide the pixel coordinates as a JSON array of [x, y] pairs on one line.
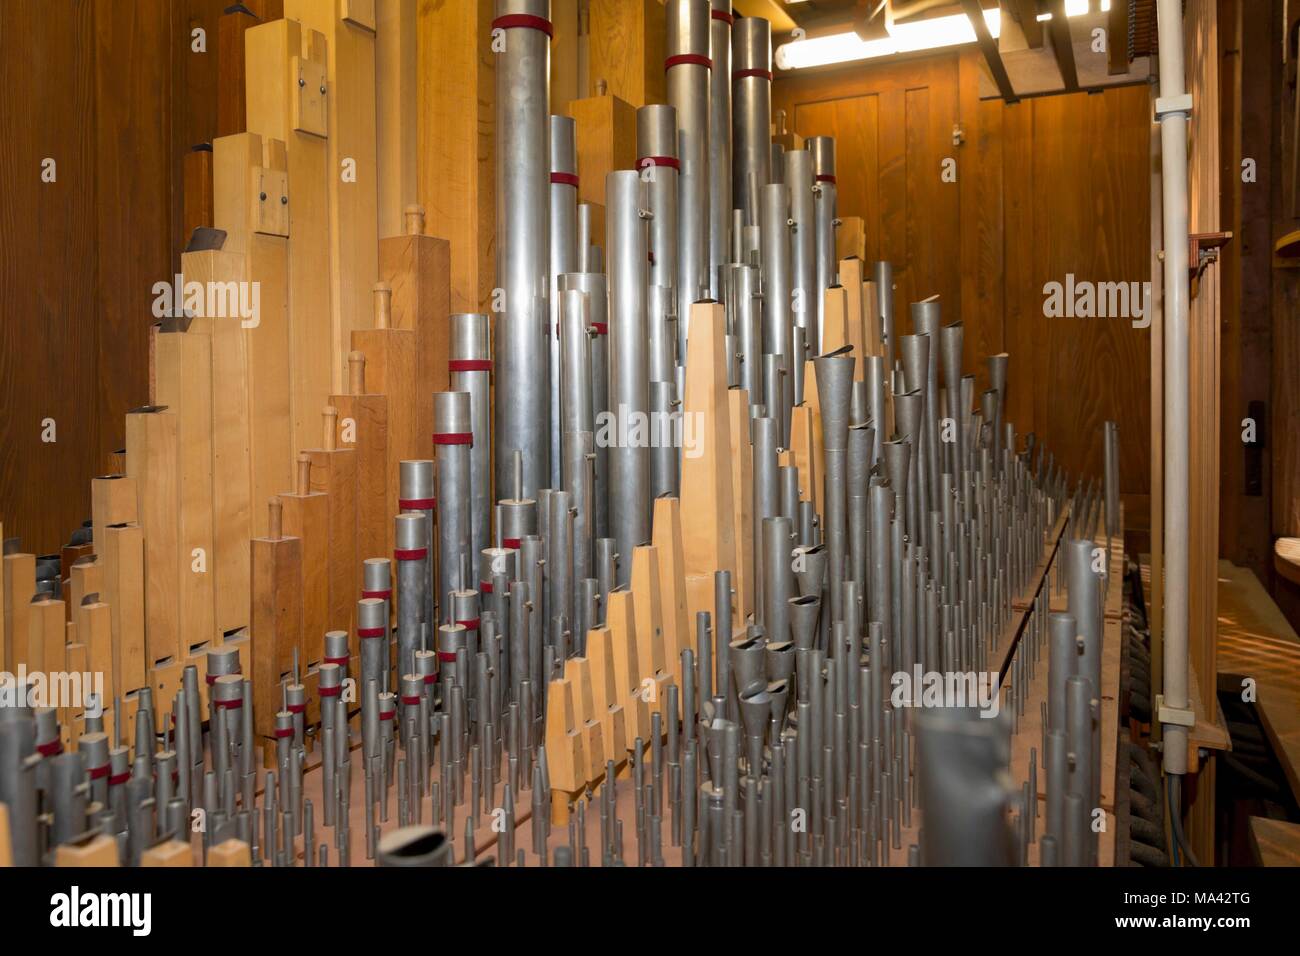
[[396, 114], [95, 631], [418, 269], [567, 80], [605, 136], [334, 471], [851, 238], [231, 432], [607, 701], [348, 27], [277, 612], [184, 383], [850, 271], [46, 635], [1275, 842], [197, 199], [621, 620], [678, 631], [112, 501], [457, 168], [647, 595], [363, 427], [279, 54], [232, 116], [246, 167], [19, 587], [627, 49], [153, 459], [124, 589], [742, 508]]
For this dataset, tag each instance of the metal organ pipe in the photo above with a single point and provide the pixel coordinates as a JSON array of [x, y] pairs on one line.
[[563, 258], [751, 113], [719, 143], [824, 223]]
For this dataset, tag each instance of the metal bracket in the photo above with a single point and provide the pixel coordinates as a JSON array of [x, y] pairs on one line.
[[1179, 716], [1168, 105]]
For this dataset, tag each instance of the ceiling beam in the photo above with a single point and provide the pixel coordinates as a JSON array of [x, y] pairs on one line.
[[989, 46], [769, 10], [1025, 13], [1063, 46], [1117, 38]]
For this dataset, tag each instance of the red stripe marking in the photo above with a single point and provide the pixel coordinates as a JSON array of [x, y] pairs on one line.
[[761, 74], [343, 660], [97, 772], [724, 16], [688, 59], [485, 587], [470, 365], [430, 678], [417, 504], [672, 162], [282, 732], [470, 625], [370, 632], [453, 438], [444, 656], [600, 328], [119, 779], [510, 543], [565, 179], [411, 554], [825, 178], [330, 691], [297, 708], [388, 716], [384, 594], [412, 701], [52, 749], [229, 704], [523, 21]]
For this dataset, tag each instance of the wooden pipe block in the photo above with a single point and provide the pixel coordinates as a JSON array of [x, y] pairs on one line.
[[621, 621], [566, 761], [306, 516], [95, 631], [577, 671], [92, 849], [873, 333], [6, 849], [742, 510], [418, 268], [166, 678], [19, 587], [707, 504], [231, 852], [835, 323], [153, 459], [232, 462], [253, 357], [86, 578], [76, 661], [168, 853], [334, 472], [607, 701], [363, 427], [851, 238], [277, 613], [124, 583], [851, 281], [648, 601], [46, 635], [112, 501], [605, 137], [672, 583]]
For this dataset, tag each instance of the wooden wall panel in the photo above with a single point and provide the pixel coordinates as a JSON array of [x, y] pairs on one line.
[[988, 242], [49, 333]]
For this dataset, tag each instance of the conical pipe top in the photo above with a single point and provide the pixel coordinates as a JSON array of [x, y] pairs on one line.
[[907, 415], [915, 350], [756, 710], [715, 736], [861, 439], [747, 663], [950, 338], [998, 373], [823, 154], [925, 316], [418, 846], [897, 455], [779, 692], [780, 660], [834, 390], [810, 570], [804, 614]]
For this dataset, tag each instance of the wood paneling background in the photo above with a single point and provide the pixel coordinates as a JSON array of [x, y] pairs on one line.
[[1043, 188], [116, 95]]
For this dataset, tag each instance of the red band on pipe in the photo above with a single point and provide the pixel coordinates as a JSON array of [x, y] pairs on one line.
[[297, 708], [329, 691], [470, 365], [444, 656], [52, 749], [600, 328], [417, 504], [384, 594], [412, 701], [388, 716], [523, 21], [453, 438], [469, 625], [688, 59], [565, 179], [282, 732], [97, 772], [229, 704], [211, 679], [370, 632], [761, 74], [485, 587], [724, 16], [119, 779], [510, 543], [825, 178], [343, 660], [411, 554], [672, 162], [430, 678]]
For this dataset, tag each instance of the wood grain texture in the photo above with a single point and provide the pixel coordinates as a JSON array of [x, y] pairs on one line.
[[396, 110], [457, 117], [626, 49], [605, 135]]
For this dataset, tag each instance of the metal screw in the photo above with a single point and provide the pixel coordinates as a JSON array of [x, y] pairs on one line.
[[262, 197]]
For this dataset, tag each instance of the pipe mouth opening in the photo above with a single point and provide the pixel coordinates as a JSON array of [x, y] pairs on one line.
[[425, 845]]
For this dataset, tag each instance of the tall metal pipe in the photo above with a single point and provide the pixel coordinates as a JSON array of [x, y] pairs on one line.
[[926, 323], [834, 386], [751, 113], [766, 496], [417, 494], [778, 578], [589, 258], [629, 391], [470, 365], [453, 437], [595, 287], [803, 249], [950, 339], [687, 69], [883, 274], [563, 257], [824, 225], [657, 160], [1110, 450], [720, 206], [774, 216], [410, 551], [523, 70]]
